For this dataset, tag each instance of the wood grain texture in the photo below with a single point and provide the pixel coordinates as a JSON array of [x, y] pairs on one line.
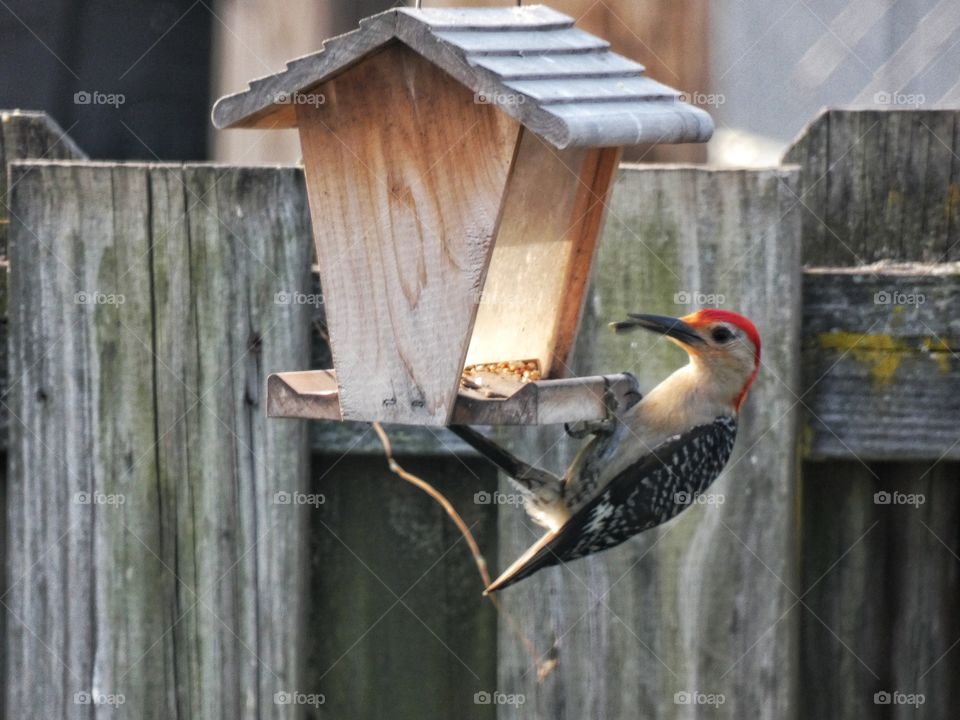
[[924, 624], [310, 394], [880, 585], [880, 185], [401, 628], [25, 136], [97, 409], [846, 583], [532, 298], [881, 349], [704, 603], [404, 213], [34, 135], [882, 578], [147, 556]]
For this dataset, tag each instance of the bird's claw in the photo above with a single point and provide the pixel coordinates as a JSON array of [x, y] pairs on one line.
[[603, 426], [610, 401], [579, 429]]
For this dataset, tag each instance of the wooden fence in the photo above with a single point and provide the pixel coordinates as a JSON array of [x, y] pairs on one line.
[[167, 545]]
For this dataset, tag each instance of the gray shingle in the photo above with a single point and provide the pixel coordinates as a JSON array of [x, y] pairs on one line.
[[523, 43], [559, 65]]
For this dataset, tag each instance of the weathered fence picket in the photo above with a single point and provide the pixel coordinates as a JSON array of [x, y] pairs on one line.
[[880, 372], [702, 604], [880, 577], [148, 557], [878, 362], [23, 135]]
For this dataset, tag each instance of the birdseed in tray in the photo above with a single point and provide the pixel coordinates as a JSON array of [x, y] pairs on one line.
[[500, 379]]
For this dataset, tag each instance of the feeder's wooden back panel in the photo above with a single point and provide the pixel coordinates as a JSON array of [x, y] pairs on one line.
[[405, 172], [552, 215]]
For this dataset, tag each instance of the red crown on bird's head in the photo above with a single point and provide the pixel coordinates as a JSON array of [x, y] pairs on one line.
[[710, 315]]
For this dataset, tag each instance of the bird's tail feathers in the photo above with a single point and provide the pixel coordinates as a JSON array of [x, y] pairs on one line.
[[531, 479]]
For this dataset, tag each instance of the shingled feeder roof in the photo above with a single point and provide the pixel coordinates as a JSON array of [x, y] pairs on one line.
[[560, 82]]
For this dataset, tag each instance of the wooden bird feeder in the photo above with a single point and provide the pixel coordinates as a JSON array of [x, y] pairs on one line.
[[458, 164]]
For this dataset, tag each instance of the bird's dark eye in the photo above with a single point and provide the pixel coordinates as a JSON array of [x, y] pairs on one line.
[[721, 334]]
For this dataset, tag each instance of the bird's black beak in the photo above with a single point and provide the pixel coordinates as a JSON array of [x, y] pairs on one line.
[[671, 327]]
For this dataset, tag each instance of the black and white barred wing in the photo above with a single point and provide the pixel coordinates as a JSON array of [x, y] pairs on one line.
[[648, 493]]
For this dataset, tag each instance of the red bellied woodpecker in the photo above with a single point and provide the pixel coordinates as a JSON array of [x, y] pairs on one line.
[[651, 459]]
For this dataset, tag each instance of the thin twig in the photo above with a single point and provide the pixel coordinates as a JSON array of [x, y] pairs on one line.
[[545, 666], [436, 495]]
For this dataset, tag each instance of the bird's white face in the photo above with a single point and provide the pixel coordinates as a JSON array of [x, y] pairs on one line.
[[724, 349], [727, 353]]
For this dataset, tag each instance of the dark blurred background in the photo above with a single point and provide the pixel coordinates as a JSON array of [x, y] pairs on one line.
[[156, 55]]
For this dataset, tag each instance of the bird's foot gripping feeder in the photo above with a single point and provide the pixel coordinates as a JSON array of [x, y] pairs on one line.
[[458, 164]]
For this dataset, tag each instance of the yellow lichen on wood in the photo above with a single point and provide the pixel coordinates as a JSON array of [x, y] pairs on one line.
[[882, 353]]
